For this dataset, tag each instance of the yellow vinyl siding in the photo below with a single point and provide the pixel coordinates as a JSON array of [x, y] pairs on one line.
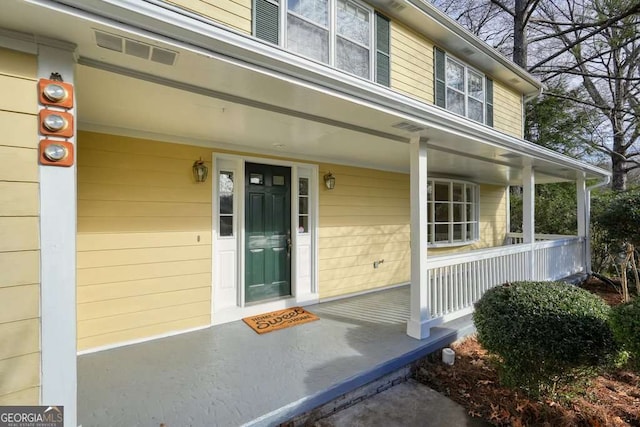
[[364, 219], [144, 240], [19, 232], [412, 75], [507, 110], [144, 236], [234, 13], [493, 216], [411, 63]]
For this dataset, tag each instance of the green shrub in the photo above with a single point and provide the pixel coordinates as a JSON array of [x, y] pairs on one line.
[[625, 324], [544, 332]]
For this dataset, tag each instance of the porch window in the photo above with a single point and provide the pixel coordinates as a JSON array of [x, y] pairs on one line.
[[462, 90], [452, 212], [225, 204], [345, 34], [303, 205]]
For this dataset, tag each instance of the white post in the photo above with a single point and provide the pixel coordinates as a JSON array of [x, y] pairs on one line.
[[583, 219], [58, 260], [507, 190], [528, 215], [418, 325]]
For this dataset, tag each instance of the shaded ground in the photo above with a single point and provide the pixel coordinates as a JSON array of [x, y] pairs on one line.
[[611, 399]]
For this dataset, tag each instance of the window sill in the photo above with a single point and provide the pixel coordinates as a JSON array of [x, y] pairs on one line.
[[451, 244]]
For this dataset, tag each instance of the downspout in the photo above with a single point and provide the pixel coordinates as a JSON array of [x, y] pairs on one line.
[[587, 222]]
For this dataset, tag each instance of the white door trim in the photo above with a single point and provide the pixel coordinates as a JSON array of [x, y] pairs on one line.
[[223, 308]]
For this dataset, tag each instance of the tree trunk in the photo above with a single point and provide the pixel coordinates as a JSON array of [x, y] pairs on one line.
[[520, 34], [619, 174]]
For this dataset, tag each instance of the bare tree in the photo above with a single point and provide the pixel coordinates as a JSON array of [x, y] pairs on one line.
[[606, 59], [591, 43]]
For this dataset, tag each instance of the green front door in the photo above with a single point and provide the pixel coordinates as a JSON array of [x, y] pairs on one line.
[[267, 231]]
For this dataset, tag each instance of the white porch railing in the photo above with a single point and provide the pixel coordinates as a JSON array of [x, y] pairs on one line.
[[517, 238], [457, 281]]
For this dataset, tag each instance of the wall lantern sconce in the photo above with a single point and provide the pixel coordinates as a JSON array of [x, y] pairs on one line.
[[330, 181], [200, 171]]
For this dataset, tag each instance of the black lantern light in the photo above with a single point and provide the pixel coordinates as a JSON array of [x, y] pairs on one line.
[[330, 181], [200, 171]]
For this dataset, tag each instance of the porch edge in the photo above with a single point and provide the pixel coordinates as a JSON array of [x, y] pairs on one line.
[[441, 336]]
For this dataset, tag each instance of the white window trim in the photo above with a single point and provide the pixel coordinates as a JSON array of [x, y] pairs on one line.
[[333, 34], [466, 94], [476, 214]]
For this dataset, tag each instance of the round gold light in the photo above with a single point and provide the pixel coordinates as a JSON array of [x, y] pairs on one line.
[[55, 152], [55, 122], [55, 92]]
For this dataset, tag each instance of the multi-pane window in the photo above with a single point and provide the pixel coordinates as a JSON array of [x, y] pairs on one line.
[[225, 204], [452, 212], [353, 38], [342, 38], [343, 33], [465, 91], [308, 28], [303, 205], [462, 90]]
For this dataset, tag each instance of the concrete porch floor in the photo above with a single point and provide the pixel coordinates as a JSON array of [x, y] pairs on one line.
[[228, 375]]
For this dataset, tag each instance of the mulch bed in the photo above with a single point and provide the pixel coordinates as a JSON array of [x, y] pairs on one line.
[[611, 399]]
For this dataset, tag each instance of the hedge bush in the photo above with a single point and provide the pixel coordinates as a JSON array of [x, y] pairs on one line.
[[544, 332], [625, 324]]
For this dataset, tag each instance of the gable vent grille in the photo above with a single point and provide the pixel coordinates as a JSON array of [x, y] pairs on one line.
[[135, 48], [409, 127]]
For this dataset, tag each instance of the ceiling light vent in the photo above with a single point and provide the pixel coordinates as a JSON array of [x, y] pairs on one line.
[[135, 48], [409, 127]]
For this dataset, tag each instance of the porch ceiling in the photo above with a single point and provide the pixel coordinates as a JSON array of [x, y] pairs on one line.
[[212, 99]]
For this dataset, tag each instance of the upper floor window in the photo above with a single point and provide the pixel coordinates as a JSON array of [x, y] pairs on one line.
[[462, 90], [342, 33]]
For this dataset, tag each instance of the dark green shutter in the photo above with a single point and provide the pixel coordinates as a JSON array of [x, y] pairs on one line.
[[383, 60], [439, 78], [267, 21], [489, 101]]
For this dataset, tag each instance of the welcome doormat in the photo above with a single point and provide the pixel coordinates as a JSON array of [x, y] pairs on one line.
[[280, 319]]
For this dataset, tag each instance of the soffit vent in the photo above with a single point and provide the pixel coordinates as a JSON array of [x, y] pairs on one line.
[[397, 5], [409, 127], [510, 155], [135, 48]]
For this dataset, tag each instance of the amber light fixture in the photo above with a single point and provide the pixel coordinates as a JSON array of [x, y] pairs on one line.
[[56, 123], [200, 171], [55, 93], [56, 153], [330, 181]]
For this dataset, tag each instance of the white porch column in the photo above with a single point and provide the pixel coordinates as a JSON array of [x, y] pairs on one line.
[[528, 215], [420, 311], [582, 216], [58, 259]]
